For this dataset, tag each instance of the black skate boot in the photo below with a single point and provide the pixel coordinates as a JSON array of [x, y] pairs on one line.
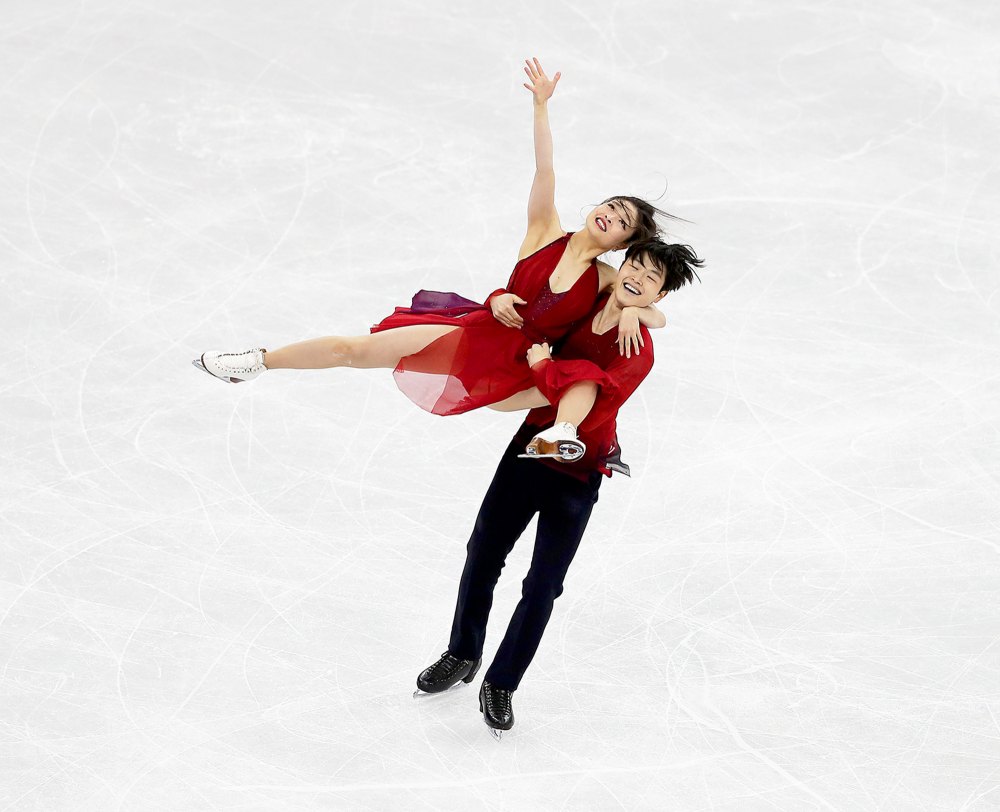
[[495, 703], [446, 672]]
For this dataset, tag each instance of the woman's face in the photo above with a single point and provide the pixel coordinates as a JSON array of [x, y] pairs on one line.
[[612, 224]]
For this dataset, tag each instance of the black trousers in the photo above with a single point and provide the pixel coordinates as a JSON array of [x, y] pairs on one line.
[[520, 489]]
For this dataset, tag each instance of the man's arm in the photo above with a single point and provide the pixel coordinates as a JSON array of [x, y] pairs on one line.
[[623, 377], [594, 393]]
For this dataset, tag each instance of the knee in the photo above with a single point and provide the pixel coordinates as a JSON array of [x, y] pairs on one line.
[[484, 558], [347, 350], [545, 588]]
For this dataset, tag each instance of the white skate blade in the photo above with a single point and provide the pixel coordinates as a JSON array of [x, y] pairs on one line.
[[566, 452], [496, 734], [198, 364], [418, 693]]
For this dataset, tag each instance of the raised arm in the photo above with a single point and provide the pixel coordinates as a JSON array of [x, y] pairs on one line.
[[543, 221]]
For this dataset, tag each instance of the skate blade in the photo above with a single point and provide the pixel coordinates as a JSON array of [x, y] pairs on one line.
[[418, 694], [567, 454], [563, 450], [496, 734], [197, 364]]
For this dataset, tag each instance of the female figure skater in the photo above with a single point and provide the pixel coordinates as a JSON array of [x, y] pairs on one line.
[[450, 355]]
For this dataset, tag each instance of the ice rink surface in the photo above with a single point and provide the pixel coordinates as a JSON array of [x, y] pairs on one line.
[[218, 597]]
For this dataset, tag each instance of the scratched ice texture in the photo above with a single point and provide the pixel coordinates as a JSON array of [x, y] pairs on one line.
[[218, 597]]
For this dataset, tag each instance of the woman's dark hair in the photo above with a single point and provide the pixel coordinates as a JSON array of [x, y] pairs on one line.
[[646, 227], [677, 262]]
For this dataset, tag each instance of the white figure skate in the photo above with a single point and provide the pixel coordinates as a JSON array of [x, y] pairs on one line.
[[232, 367], [559, 442]]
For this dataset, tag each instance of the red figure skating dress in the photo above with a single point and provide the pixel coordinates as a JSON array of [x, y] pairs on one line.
[[484, 361]]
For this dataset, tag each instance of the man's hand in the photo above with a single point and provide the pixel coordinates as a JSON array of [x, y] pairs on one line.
[[538, 352]]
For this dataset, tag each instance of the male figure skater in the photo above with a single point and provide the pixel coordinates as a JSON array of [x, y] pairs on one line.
[[562, 493]]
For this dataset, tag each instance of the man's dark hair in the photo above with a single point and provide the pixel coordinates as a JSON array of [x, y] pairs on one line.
[[676, 262]]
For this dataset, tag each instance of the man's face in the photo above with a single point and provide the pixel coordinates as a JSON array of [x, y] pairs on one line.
[[638, 283]]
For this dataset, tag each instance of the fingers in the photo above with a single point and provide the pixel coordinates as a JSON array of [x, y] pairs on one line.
[[534, 69], [629, 343], [515, 318], [504, 312], [540, 69], [507, 318], [512, 319]]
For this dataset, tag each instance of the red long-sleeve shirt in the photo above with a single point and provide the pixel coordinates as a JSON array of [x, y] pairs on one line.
[[585, 355]]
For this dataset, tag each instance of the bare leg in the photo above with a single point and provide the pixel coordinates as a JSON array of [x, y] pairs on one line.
[[575, 405], [528, 399], [376, 351]]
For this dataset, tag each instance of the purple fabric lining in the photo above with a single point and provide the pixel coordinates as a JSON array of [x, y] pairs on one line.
[[444, 304]]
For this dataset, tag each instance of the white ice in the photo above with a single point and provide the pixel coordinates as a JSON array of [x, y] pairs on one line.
[[218, 597]]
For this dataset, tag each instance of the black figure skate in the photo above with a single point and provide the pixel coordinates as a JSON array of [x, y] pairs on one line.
[[498, 713], [446, 672]]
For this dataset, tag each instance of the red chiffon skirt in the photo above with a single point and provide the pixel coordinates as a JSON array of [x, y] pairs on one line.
[[479, 363]]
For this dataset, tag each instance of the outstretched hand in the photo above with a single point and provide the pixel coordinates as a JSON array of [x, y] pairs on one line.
[[541, 85]]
